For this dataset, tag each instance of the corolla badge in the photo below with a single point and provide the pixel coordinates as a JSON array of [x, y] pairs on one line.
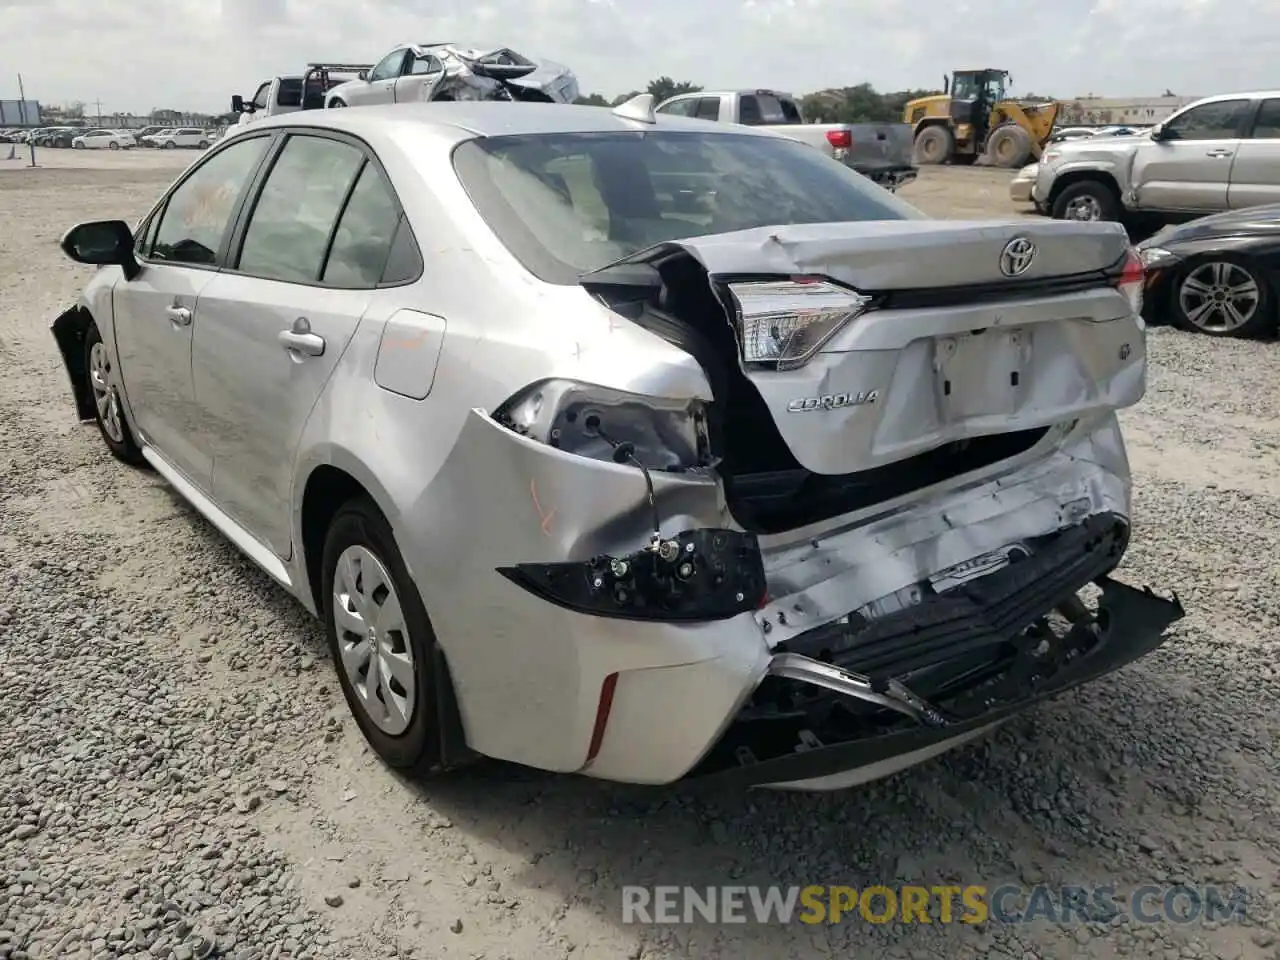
[[833, 401], [1017, 256]]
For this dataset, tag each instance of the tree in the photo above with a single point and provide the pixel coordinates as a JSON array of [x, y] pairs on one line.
[[664, 88], [623, 98], [592, 100], [74, 110]]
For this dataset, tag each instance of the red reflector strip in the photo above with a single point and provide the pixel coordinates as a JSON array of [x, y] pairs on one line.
[[602, 715]]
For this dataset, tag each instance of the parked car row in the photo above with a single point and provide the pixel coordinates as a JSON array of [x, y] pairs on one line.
[[1208, 179], [104, 138]]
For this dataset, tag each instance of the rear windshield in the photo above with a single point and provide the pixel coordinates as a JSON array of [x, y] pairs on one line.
[[566, 204]]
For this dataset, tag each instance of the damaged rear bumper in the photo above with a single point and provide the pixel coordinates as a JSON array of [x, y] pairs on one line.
[[872, 699], [647, 696]]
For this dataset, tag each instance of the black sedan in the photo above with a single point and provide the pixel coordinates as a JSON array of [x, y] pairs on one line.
[[1219, 275]]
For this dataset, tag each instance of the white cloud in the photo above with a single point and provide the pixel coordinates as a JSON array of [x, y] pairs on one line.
[[193, 54]]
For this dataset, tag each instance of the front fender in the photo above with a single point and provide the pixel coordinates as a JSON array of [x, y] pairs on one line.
[[1050, 174]]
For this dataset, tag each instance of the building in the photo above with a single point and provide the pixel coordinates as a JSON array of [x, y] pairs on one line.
[[1126, 111]]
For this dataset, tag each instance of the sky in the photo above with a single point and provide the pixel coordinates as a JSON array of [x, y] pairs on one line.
[[194, 54]]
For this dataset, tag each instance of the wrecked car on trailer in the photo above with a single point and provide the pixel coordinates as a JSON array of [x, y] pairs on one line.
[[680, 450], [422, 72]]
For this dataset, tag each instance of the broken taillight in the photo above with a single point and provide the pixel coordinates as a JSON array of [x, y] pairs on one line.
[[840, 139], [783, 323], [1131, 278], [603, 424]]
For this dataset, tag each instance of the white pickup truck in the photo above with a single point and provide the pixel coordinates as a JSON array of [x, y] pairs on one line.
[[289, 94], [880, 151]]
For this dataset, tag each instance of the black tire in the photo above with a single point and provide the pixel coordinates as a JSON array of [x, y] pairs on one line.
[[1263, 319], [79, 146], [126, 448], [934, 145], [336, 103], [204, 144], [1087, 194], [170, 145], [360, 523], [113, 145], [1009, 147]]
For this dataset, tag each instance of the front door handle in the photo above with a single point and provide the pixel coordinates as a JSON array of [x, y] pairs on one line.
[[300, 339], [1219, 154], [179, 315]]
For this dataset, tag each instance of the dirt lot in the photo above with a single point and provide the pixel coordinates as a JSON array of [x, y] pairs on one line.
[[178, 771]]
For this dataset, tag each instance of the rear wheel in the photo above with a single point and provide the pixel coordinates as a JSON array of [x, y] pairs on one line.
[[113, 145], [204, 144], [1224, 297], [380, 638], [107, 411], [1086, 200], [934, 145], [1009, 147]]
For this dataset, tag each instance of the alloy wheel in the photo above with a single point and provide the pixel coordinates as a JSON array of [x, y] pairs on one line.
[[1219, 296], [104, 395]]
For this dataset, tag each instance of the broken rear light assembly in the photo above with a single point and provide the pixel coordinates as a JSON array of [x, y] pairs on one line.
[[698, 575], [1132, 279], [781, 324], [605, 424]]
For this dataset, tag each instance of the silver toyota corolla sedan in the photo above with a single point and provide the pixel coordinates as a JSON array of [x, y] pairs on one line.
[[633, 446]]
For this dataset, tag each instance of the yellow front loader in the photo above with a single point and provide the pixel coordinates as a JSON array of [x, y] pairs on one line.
[[973, 118]]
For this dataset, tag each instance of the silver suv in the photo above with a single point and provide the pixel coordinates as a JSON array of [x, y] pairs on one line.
[[1220, 153], [635, 446]]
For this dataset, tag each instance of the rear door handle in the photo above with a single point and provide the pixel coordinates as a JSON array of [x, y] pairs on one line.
[[1219, 154], [300, 339], [179, 315]]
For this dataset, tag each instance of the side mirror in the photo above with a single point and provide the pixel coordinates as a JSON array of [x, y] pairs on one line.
[[363, 75], [1157, 132], [237, 104], [102, 243]]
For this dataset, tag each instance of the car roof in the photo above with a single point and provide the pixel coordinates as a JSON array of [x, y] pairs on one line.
[[466, 119]]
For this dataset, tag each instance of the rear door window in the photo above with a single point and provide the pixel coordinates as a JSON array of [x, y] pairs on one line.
[[749, 110], [365, 233], [681, 108], [708, 108], [1267, 125], [297, 209], [290, 92]]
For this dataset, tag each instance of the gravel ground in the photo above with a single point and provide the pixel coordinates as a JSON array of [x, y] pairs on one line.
[[179, 777]]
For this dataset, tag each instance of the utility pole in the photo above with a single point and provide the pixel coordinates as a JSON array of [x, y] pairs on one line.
[[22, 117], [98, 104]]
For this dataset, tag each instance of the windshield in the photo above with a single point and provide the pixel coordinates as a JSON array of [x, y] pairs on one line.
[[566, 204]]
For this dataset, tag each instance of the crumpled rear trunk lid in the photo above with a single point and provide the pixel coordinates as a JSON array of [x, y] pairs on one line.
[[957, 330]]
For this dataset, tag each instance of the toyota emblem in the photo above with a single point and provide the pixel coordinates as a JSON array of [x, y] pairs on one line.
[[1017, 256]]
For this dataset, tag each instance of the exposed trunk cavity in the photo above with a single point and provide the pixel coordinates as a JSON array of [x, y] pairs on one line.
[[768, 490]]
